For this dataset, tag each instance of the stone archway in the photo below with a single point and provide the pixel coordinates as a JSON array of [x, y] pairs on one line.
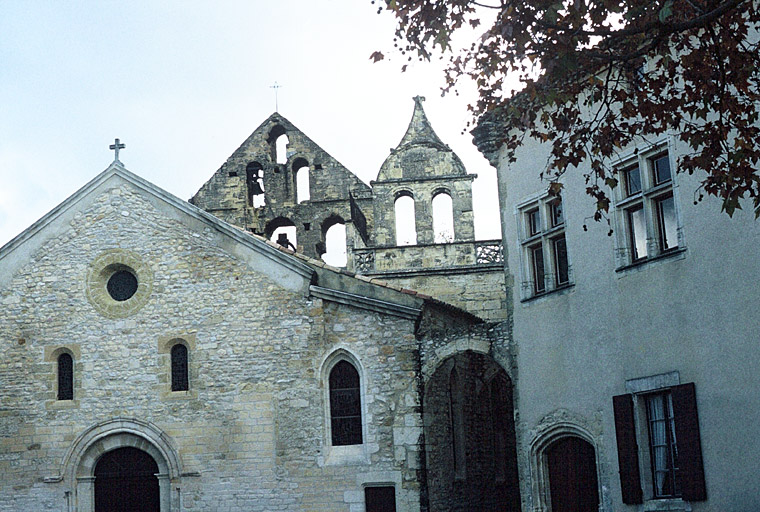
[[565, 469], [470, 443], [81, 460]]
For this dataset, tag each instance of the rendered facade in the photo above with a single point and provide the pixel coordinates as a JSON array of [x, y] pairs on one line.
[[640, 345]]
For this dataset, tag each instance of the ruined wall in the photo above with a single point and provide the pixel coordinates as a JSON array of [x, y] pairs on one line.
[[229, 194], [251, 431]]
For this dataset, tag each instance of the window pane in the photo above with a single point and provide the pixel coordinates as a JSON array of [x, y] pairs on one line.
[[637, 230], [557, 213], [537, 262], [179, 368], [345, 405], [533, 221], [662, 444], [661, 169], [560, 260], [65, 377], [632, 180], [666, 223], [380, 499]]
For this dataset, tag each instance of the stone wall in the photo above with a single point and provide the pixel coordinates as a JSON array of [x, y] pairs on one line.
[[228, 193]]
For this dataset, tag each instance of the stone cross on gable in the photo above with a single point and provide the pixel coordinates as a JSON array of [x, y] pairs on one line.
[[116, 146]]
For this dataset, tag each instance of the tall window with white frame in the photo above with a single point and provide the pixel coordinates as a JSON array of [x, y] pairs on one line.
[[647, 209], [544, 248], [663, 445]]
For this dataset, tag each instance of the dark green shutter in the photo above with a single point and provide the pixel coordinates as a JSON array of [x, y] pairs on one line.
[[628, 450], [691, 470]]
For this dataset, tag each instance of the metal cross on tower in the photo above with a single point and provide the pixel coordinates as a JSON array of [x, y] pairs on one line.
[[275, 87], [116, 146]]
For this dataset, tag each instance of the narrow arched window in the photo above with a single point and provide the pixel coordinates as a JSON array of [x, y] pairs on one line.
[[254, 179], [345, 405], [281, 149], [406, 230], [443, 218], [65, 377], [301, 172], [180, 381], [335, 242]]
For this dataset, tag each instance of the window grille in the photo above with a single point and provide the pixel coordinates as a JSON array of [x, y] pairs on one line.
[[345, 405]]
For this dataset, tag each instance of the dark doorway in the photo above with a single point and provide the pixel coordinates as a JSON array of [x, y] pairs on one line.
[[380, 499], [572, 476], [125, 481]]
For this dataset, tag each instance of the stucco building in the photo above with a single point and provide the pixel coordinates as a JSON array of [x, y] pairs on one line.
[[637, 349]]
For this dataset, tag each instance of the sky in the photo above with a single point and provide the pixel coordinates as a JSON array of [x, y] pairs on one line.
[[183, 83]]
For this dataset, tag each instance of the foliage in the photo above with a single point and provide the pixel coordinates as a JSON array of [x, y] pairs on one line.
[[599, 74]]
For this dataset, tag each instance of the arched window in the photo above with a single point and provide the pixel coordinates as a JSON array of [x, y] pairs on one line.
[[406, 230], [443, 218], [254, 179], [65, 377], [345, 405], [180, 377], [283, 231], [281, 149], [334, 230], [301, 172]]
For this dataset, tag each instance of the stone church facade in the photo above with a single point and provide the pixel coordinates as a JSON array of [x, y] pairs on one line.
[[175, 354]]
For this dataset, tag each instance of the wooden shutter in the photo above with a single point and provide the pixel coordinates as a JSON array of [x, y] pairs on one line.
[[691, 470], [628, 450]]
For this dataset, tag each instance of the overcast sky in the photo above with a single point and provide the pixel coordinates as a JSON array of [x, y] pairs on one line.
[[183, 83]]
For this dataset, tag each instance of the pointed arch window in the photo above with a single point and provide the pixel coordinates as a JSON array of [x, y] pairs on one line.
[[65, 377], [345, 405], [180, 373]]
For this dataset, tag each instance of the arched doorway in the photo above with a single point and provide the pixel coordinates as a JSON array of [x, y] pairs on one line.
[[125, 481], [470, 442], [81, 463], [571, 464]]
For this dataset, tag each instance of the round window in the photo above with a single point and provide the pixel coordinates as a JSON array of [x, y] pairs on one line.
[[118, 283], [122, 285]]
